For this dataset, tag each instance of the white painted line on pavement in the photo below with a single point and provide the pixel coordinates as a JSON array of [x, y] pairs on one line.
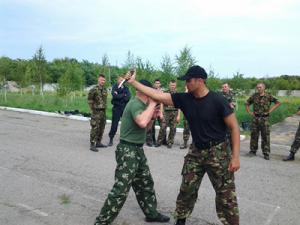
[[74, 117], [272, 215], [31, 209]]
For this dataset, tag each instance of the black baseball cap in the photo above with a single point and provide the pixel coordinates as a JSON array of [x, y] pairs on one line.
[[194, 72], [146, 83]]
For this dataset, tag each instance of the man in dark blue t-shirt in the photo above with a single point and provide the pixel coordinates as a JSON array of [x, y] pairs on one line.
[[209, 116]]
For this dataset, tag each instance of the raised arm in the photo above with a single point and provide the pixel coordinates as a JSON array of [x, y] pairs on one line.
[[152, 93]]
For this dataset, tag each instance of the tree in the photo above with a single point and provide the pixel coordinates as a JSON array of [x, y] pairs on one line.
[[167, 69], [213, 82], [184, 61], [5, 64], [130, 61], [19, 74], [40, 68], [71, 80]]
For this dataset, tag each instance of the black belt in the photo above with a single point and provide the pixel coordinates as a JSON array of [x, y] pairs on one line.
[[261, 115], [130, 143], [97, 110], [208, 144]]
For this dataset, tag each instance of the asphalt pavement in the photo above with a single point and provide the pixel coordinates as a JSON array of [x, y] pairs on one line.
[[48, 176]]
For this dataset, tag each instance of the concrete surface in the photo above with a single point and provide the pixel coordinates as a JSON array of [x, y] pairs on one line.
[[49, 177]]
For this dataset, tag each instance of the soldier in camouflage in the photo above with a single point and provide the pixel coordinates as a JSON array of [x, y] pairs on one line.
[[186, 130], [97, 99], [171, 119], [151, 140], [260, 119], [186, 133], [229, 95], [208, 114], [296, 143], [132, 168]]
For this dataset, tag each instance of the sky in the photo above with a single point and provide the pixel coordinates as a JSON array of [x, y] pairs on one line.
[[257, 38]]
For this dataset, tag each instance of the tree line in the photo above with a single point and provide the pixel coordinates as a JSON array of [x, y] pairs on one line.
[[73, 75]]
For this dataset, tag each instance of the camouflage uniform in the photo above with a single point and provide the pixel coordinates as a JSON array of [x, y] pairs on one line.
[[296, 144], [132, 170], [229, 96], [186, 130], [260, 121], [231, 99], [214, 161], [97, 99], [170, 115]]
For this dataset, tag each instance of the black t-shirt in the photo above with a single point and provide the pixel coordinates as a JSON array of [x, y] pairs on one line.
[[205, 115]]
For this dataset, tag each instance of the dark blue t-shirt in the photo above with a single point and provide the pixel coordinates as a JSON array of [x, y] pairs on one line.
[[205, 115]]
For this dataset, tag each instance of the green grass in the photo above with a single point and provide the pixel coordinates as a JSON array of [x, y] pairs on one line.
[[53, 103], [50, 102]]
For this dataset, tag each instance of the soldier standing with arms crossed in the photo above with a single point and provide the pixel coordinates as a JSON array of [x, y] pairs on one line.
[[208, 114], [132, 166], [260, 119], [97, 99]]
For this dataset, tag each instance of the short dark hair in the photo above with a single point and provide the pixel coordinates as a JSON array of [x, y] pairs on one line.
[[172, 81], [146, 83], [101, 75], [157, 79]]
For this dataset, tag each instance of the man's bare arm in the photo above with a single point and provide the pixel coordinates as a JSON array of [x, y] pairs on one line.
[[152, 93], [143, 119]]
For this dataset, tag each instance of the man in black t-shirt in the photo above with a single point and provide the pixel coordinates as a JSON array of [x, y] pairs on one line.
[[209, 116]]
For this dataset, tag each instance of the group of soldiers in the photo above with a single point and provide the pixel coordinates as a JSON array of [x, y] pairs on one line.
[[169, 117], [209, 117]]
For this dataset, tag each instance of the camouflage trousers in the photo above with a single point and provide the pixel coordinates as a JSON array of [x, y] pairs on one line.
[[132, 171], [186, 130], [296, 144], [98, 121], [260, 125], [169, 121], [214, 162], [150, 138]]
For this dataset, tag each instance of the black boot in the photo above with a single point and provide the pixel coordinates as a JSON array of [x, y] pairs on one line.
[[290, 157], [100, 145], [110, 142], [159, 219], [180, 221], [93, 148]]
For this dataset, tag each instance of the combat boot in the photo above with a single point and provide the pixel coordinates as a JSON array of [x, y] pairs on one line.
[[169, 145], [93, 148], [100, 145], [180, 221], [110, 142], [184, 145], [160, 218], [290, 157]]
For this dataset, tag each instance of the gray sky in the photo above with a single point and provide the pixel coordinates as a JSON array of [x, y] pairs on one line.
[[254, 37]]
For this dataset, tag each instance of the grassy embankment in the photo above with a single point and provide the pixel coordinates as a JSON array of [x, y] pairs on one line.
[[53, 103]]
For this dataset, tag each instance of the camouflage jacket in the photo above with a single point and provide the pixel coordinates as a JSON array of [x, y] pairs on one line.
[[169, 107], [229, 96], [261, 104], [97, 98]]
